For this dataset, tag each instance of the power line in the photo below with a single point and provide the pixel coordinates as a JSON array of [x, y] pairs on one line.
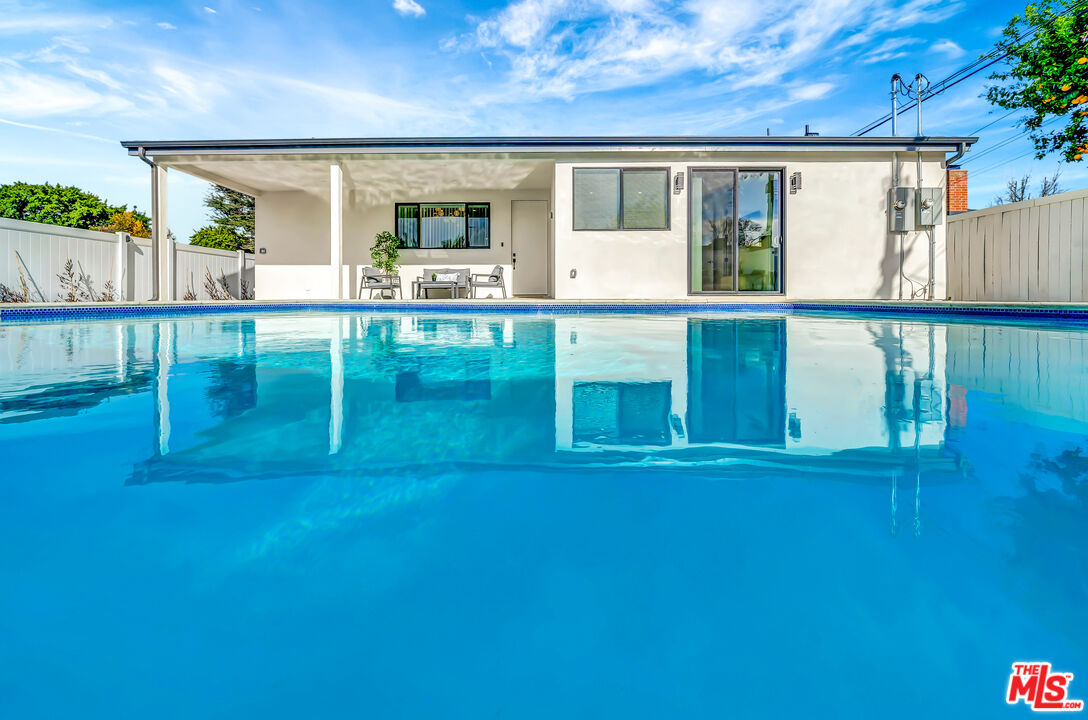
[[991, 58], [1007, 141], [1004, 162], [991, 149], [995, 122]]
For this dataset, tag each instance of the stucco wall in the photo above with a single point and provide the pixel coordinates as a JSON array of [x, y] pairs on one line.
[[292, 228], [836, 242]]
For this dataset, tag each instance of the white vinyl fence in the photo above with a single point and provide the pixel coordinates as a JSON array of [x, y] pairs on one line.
[[191, 261], [40, 251], [1031, 251]]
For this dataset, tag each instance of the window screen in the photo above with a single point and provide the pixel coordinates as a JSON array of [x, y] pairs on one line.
[[596, 199], [615, 199], [645, 198]]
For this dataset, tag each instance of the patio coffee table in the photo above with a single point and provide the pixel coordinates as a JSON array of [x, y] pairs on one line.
[[422, 286]]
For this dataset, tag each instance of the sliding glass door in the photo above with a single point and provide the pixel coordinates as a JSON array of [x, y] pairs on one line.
[[712, 230], [736, 230]]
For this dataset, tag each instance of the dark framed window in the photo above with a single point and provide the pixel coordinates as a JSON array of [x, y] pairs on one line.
[[621, 198], [443, 226]]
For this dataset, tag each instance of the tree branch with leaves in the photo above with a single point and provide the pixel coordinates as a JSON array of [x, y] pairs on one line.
[[1047, 75]]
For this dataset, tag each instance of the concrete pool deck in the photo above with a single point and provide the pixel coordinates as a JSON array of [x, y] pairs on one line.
[[71, 311]]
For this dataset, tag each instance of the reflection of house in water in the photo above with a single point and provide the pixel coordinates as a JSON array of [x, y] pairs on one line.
[[1004, 378], [737, 381], [755, 395], [358, 395], [327, 393], [97, 362]]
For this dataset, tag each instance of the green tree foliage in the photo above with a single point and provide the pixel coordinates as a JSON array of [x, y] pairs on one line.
[[216, 236], [1047, 75], [59, 205], [233, 211], [385, 252], [127, 222]]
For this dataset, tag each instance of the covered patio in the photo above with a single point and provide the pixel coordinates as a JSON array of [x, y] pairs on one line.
[[317, 215]]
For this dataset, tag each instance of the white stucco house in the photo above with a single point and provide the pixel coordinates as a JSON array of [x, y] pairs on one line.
[[673, 218]]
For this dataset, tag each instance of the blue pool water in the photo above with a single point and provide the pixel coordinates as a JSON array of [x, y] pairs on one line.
[[584, 516]]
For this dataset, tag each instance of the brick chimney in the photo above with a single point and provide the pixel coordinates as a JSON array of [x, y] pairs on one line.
[[957, 189]]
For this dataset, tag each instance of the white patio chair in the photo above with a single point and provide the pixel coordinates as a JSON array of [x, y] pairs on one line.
[[494, 279]]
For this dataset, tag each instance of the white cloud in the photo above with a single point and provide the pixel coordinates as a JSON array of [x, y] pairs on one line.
[[409, 7], [14, 24], [948, 47], [193, 93], [811, 91], [567, 48], [890, 49], [167, 26], [25, 94], [345, 101], [50, 55], [72, 133], [209, 10], [71, 44]]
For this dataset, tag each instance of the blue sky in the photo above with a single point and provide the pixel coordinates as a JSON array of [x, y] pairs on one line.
[[76, 78]]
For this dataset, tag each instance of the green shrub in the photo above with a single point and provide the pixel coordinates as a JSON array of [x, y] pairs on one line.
[[216, 236]]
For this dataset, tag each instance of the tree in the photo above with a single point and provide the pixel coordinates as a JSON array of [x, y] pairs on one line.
[[1047, 75], [59, 205], [216, 236], [1017, 190], [127, 222], [1049, 185], [385, 252], [233, 211]]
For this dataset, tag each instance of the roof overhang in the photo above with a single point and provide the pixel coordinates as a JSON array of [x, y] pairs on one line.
[[543, 145]]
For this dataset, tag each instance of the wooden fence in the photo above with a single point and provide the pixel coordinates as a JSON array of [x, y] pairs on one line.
[[1031, 251]]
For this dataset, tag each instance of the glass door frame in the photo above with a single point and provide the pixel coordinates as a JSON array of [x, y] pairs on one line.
[[737, 170]]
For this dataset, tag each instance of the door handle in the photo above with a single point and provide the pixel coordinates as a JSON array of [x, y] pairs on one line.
[[513, 260]]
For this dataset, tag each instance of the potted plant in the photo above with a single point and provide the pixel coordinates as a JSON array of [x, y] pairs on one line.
[[385, 252]]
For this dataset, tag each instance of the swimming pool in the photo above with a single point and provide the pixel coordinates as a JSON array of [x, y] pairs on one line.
[[398, 515]]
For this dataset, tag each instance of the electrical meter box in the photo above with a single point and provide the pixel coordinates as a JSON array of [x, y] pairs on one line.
[[901, 209], [929, 207]]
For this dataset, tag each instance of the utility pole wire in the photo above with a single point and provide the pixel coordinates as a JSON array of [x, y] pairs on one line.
[[991, 58]]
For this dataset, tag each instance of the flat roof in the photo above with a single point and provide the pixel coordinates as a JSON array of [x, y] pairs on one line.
[[542, 144]]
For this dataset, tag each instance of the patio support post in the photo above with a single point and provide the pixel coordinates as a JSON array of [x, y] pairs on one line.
[[336, 225], [336, 388], [164, 352], [166, 281], [120, 269], [241, 272]]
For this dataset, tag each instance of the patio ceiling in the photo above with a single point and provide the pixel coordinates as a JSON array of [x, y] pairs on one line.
[[374, 179]]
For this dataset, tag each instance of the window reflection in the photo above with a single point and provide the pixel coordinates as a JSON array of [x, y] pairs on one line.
[[622, 413], [737, 381]]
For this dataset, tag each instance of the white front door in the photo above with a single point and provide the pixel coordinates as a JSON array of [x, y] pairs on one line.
[[529, 244]]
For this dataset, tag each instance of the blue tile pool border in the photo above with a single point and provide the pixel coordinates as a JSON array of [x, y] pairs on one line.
[[1074, 313]]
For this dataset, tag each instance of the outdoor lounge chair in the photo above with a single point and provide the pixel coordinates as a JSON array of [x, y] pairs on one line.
[[492, 280], [374, 279]]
